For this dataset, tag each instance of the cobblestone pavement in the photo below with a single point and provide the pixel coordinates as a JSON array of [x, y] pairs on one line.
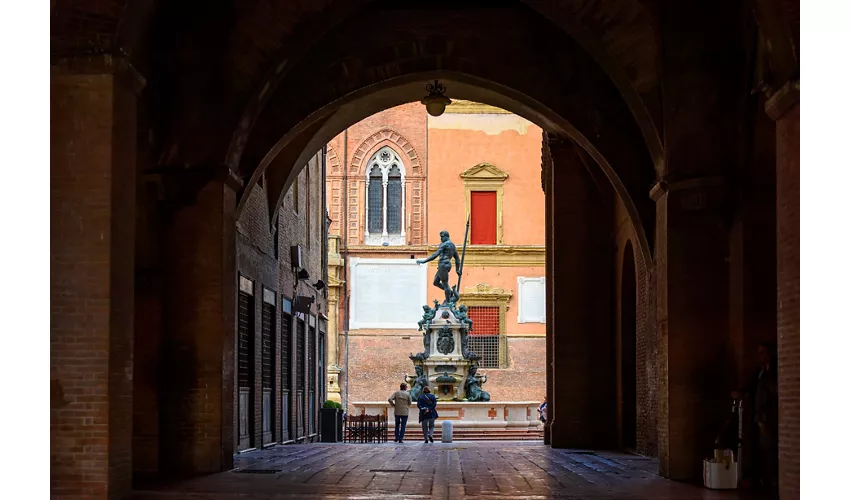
[[461, 470]]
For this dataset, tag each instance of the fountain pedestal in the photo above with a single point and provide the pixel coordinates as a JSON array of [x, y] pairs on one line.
[[446, 365]]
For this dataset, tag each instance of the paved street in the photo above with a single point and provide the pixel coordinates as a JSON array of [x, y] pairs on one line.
[[517, 470]]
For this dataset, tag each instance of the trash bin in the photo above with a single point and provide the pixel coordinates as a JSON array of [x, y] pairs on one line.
[[447, 431]]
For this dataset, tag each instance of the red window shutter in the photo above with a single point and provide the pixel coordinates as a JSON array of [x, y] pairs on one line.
[[483, 218]]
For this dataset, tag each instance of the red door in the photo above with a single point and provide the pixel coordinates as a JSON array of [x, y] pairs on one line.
[[483, 218]]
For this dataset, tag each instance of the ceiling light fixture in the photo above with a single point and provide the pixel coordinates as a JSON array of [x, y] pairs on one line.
[[435, 102]]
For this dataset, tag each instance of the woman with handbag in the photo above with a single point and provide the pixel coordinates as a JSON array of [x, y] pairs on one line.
[[427, 405]]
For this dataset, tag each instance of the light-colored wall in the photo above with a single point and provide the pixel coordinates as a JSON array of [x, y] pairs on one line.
[[511, 143]]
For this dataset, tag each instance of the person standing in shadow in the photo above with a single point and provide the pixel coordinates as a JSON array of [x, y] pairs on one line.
[[762, 390], [427, 405], [400, 400]]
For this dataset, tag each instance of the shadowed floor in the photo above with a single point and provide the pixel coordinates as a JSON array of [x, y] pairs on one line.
[[516, 470]]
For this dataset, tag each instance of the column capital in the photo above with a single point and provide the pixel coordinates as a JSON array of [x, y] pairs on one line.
[[783, 99], [179, 186], [697, 193], [101, 64]]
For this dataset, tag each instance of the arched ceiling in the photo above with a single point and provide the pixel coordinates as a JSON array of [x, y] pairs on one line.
[[228, 80], [246, 41], [510, 50]]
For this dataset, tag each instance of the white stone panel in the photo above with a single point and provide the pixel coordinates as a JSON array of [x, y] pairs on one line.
[[387, 293], [532, 300]]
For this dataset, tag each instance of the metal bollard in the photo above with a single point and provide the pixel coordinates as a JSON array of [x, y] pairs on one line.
[[447, 431]]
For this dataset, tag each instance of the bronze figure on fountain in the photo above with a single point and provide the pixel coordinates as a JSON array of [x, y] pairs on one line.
[[446, 252]]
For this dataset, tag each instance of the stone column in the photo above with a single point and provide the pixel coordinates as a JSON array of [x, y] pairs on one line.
[[692, 315], [580, 375], [784, 108], [384, 191], [547, 181], [93, 102], [200, 283], [335, 291], [704, 94]]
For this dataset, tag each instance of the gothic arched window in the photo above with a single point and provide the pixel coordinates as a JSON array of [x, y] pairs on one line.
[[385, 199]]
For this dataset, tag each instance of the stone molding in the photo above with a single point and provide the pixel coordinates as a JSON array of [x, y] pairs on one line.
[[476, 255], [502, 255]]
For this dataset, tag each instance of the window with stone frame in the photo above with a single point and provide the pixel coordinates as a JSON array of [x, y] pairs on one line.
[[385, 199], [487, 308], [484, 337]]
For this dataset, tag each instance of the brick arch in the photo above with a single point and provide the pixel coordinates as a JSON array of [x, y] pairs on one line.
[[646, 339], [415, 180], [381, 138], [335, 188], [333, 162]]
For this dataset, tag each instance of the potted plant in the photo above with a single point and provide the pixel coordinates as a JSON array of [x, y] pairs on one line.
[[331, 422]]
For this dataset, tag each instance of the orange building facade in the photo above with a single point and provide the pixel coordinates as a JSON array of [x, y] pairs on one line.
[[394, 181]]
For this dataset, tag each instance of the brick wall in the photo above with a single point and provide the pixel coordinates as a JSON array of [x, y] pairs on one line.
[[788, 299], [91, 283], [302, 225], [403, 128], [378, 360], [199, 314], [646, 347]]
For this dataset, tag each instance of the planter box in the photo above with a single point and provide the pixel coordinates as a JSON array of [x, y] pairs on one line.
[[330, 425]]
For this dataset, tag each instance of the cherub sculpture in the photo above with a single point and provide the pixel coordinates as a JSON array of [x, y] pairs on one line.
[[472, 386], [464, 334], [427, 316], [416, 382]]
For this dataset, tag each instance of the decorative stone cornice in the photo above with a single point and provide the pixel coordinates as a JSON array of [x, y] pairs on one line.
[[100, 64], [476, 255], [783, 99], [484, 292], [483, 172], [501, 255]]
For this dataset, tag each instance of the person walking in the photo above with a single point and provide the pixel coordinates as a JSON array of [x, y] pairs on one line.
[[400, 400], [541, 410], [427, 405]]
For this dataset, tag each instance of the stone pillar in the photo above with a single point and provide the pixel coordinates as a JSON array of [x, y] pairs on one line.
[[335, 289], [704, 94], [92, 228], [784, 108], [582, 368], [200, 283], [547, 181], [692, 315]]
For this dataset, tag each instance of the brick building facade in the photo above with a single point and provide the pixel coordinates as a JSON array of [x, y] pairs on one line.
[[280, 351], [474, 159]]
